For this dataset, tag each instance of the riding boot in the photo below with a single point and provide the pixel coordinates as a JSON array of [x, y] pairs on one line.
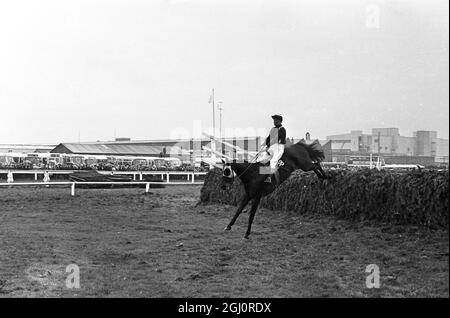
[[277, 178]]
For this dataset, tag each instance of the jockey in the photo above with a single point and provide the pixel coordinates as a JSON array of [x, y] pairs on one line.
[[275, 144]]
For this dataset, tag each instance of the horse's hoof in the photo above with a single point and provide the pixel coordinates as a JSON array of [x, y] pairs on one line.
[[246, 236], [228, 228]]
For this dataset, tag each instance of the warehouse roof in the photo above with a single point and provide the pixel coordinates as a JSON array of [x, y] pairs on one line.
[[115, 149]]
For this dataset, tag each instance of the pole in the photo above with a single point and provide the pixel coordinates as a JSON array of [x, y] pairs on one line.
[[220, 127], [219, 106], [214, 114], [213, 142]]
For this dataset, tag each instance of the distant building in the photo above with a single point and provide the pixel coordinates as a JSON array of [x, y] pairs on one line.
[[442, 150], [185, 149], [423, 147], [428, 144], [108, 149]]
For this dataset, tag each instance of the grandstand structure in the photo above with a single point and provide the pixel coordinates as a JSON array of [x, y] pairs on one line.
[[193, 150], [184, 149]]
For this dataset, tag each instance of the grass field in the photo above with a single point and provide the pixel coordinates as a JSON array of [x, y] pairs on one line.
[[130, 244]]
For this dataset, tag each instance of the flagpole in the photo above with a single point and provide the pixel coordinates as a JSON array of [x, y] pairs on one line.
[[214, 114], [220, 119], [219, 106], [213, 142]]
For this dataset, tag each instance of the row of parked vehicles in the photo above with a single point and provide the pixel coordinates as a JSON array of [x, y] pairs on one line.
[[56, 161]]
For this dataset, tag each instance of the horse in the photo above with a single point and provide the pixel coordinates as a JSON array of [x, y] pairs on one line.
[[296, 156]]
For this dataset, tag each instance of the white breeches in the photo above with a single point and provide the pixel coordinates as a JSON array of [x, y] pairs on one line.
[[274, 154]]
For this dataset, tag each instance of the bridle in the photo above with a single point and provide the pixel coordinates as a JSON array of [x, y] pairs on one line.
[[231, 174], [228, 173]]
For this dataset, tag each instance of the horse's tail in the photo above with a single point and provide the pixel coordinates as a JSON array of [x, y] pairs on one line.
[[315, 151]]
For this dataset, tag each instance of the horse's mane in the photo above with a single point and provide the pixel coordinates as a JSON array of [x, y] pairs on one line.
[[314, 149]]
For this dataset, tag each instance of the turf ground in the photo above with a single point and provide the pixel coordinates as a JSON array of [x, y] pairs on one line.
[[130, 244]]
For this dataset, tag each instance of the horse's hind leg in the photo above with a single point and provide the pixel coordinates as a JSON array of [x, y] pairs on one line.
[[255, 204], [239, 210]]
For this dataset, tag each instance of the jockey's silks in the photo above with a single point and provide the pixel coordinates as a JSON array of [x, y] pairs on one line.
[[277, 135]]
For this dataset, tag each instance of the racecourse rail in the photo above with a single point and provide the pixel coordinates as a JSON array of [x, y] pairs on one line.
[[47, 173], [73, 184], [190, 177]]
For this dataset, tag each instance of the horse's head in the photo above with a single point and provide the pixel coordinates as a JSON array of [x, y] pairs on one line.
[[227, 175]]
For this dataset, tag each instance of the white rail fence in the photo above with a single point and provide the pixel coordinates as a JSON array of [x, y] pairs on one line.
[[165, 175], [73, 184]]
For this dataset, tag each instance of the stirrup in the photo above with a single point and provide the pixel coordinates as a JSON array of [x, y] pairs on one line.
[[268, 180]]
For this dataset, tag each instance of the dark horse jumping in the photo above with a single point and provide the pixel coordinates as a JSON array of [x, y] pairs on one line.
[[297, 156]]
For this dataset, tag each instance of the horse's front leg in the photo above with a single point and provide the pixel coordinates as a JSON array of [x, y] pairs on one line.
[[317, 168], [242, 205], [255, 204], [325, 176]]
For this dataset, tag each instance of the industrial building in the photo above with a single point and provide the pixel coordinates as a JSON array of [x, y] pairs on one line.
[[424, 147]]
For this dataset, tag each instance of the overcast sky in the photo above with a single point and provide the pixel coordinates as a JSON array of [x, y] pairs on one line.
[[145, 69]]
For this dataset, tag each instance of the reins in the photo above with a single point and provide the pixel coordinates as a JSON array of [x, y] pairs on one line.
[[251, 163]]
